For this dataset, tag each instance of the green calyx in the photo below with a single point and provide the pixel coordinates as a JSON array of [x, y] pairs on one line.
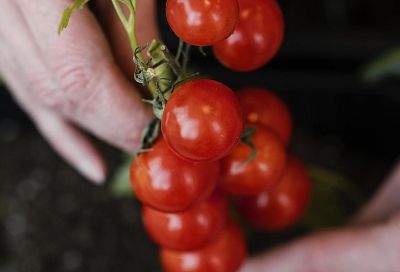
[[246, 139]]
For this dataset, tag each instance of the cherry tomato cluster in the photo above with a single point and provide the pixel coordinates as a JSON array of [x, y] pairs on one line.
[[244, 34], [185, 178], [217, 144]]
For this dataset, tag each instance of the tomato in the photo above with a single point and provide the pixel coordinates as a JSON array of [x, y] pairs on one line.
[[264, 107], [256, 39], [189, 229], [202, 23], [284, 204], [224, 254], [166, 182], [202, 120], [243, 177]]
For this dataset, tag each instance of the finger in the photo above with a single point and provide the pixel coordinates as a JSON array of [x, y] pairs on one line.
[[72, 145], [64, 138], [20, 53], [385, 203], [368, 250], [96, 94], [146, 30]]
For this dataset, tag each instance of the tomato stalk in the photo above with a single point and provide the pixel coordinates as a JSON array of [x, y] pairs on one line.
[[129, 26], [159, 70], [128, 23]]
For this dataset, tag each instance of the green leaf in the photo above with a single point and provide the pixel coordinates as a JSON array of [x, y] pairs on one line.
[[334, 199], [385, 65], [77, 4], [120, 186]]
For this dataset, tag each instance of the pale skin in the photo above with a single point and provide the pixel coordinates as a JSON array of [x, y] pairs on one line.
[[78, 81]]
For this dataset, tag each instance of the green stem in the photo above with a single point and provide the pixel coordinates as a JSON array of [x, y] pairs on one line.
[[120, 13], [186, 57], [129, 26], [179, 52]]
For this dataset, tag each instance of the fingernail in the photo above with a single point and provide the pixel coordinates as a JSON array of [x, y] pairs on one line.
[[93, 171]]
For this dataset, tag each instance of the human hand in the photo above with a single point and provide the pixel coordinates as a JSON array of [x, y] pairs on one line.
[[371, 244], [69, 81]]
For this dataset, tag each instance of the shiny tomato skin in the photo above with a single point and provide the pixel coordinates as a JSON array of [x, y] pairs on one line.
[[282, 206], [165, 181], [242, 177], [225, 253], [190, 229], [264, 107], [257, 36], [202, 23], [202, 120]]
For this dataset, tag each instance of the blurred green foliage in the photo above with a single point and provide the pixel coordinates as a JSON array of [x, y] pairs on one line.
[[334, 199], [388, 64]]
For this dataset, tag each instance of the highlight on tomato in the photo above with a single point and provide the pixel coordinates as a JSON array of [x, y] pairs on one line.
[[202, 120], [190, 229], [244, 176], [282, 206], [257, 37], [165, 181], [225, 253], [202, 23], [261, 106]]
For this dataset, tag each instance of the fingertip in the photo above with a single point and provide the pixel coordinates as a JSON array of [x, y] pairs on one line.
[[93, 170], [72, 145]]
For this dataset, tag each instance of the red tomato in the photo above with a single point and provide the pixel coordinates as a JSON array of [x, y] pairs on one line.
[[166, 182], [264, 107], [202, 120], [202, 22], [189, 229], [257, 37], [242, 177], [284, 204], [224, 254]]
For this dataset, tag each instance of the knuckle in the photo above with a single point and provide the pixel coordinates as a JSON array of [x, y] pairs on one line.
[[44, 89], [74, 80], [80, 82]]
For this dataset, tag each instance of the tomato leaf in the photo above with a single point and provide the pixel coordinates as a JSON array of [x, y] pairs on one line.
[[77, 4], [334, 199], [120, 186], [386, 65]]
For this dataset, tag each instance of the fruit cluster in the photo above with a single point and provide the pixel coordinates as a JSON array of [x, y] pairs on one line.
[[244, 34], [184, 180], [217, 144]]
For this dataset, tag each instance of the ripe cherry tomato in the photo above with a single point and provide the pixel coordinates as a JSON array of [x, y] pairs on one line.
[[190, 229], [166, 182], [284, 204], [243, 177], [224, 254], [264, 107], [257, 36], [202, 120], [202, 22]]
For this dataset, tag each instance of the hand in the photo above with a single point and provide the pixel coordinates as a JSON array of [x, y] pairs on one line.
[[69, 81], [362, 247]]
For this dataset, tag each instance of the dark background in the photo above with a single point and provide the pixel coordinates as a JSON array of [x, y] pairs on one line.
[[52, 220]]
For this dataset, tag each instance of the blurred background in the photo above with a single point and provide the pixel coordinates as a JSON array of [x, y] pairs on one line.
[[339, 73]]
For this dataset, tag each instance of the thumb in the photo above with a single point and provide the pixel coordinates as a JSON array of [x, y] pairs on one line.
[[373, 249]]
